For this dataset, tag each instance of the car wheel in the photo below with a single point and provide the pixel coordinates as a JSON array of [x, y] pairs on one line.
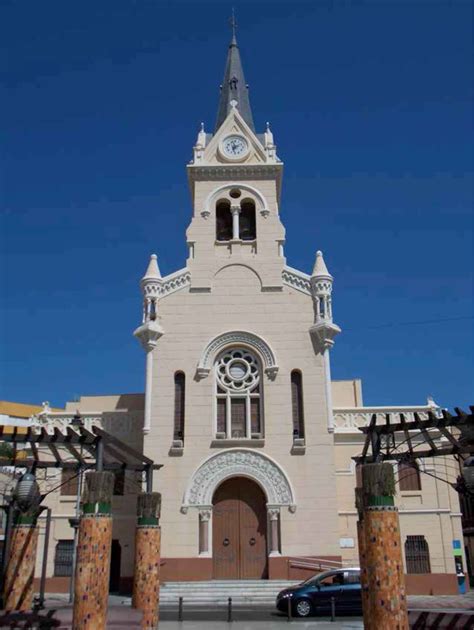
[[302, 608]]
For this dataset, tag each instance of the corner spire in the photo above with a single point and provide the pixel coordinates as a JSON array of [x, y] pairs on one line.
[[153, 271], [234, 87], [320, 270]]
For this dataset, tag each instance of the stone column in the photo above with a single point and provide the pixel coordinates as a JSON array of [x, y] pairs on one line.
[[387, 605], [91, 582], [148, 389], [235, 222], [20, 571], [274, 516], [204, 518], [146, 583]]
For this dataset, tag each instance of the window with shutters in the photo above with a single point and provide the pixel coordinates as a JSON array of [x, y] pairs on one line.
[[179, 405], [63, 558], [238, 395], [297, 404], [408, 477], [69, 481], [417, 555]]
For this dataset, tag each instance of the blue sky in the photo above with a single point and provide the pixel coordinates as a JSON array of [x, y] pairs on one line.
[[370, 104]]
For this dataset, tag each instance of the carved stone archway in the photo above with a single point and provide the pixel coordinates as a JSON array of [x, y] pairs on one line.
[[239, 338], [239, 462]]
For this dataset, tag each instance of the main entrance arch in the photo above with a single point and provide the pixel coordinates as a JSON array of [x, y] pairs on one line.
[[239, 530]]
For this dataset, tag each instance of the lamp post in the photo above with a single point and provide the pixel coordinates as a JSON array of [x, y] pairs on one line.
[[77, 422]]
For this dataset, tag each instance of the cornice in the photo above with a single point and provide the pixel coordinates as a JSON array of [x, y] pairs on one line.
[[231, 171]]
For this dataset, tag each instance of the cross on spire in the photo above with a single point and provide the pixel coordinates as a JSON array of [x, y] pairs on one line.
[[233, 25], [234, 88]]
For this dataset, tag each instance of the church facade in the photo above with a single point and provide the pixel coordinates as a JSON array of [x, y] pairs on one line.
[[255, 439]]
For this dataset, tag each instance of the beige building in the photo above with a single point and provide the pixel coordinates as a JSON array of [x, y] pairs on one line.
[[255, 440]]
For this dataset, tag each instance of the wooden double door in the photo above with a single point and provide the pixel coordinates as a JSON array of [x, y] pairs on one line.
[[239, 530]]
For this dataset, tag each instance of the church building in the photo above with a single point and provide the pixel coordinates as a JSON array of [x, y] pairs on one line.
[[255, 440]]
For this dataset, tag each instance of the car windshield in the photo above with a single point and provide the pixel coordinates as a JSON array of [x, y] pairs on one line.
[[316, 578]]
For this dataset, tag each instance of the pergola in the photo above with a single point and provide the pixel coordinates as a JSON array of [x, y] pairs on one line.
[[400, 440], [76, 449]]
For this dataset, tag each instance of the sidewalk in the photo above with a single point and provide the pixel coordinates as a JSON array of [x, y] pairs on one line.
[[261, 625]]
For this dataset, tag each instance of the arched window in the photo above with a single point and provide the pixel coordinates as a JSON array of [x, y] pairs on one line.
[[417, 555], [238, 395], [179, 405], [223, 221], [409, 477], [247, 225], [297, 404]]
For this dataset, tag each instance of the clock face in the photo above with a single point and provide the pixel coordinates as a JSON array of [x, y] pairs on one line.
[[235, 146]]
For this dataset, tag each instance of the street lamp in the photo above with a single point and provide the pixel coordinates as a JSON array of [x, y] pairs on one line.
[[26, 494], [77, 422]]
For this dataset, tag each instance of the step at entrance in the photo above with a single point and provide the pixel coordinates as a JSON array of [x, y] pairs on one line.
[[217, 592]]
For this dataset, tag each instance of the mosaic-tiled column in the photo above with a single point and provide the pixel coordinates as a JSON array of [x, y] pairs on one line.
[[146, 582], [18, 592], [91, 582], [387, 605]]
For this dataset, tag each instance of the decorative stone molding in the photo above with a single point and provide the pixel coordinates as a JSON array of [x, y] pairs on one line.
[[209, 204], [205, 515], [175, 282], [239, 463], [237, 338], [273, 513], [148, 334], [296, 280]]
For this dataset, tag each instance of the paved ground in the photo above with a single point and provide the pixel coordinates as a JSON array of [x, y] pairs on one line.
[[261, 625]]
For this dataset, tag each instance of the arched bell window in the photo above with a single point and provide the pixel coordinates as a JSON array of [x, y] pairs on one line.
[[223, 220], [238, 395], [247, 223]]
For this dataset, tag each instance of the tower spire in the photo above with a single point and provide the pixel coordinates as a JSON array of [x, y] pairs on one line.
[[234, 89]]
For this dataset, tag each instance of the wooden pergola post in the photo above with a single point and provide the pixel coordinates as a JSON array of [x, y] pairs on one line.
[[91, 585], [359, 495], [146, 582], [386, 605], [20, 571]]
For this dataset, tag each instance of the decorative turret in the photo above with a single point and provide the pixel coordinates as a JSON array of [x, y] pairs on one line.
[[270, 147], [150, 330], [200, 145], [151, 286], [324, 329]]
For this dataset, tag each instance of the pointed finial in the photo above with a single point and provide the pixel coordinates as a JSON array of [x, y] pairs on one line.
[[153, 271], [268, 125], [320, 268], [202, 126]]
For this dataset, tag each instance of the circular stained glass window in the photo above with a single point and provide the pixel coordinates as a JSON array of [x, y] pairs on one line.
[[237, 370]]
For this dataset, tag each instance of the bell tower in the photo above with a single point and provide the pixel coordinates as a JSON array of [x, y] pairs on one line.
[[235, 182]]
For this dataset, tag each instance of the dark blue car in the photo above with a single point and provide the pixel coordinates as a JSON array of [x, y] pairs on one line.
[[314, 596]]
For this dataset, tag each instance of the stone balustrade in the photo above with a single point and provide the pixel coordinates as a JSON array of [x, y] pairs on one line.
[[348, 419]]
